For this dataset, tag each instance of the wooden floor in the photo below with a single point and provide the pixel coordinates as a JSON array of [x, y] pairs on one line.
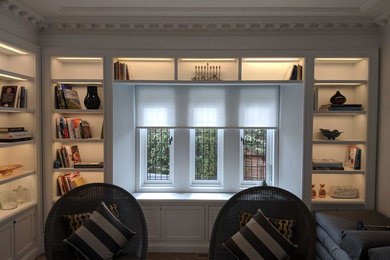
[[164, 256]]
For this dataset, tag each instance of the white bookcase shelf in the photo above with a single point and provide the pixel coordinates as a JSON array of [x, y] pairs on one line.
[[78, 73], [19, 68], [350, 76]]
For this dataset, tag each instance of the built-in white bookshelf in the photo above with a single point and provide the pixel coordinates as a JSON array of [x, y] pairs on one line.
[[77, 73], [350, 76], [18, 68]]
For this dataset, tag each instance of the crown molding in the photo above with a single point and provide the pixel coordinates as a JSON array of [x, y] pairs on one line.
[[187, 24], [204, 25], [22, 13]]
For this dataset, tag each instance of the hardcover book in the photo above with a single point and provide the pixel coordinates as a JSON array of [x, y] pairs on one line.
[[71, 97], [8, 96]]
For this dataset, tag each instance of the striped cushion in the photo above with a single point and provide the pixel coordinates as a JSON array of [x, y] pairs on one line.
[[284, 226], [102, 236], [259, 239]]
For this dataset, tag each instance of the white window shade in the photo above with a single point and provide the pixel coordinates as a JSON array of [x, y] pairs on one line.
[[202, 106]]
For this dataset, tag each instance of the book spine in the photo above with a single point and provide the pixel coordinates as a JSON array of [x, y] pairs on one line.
[[11, 129], [61, 97]]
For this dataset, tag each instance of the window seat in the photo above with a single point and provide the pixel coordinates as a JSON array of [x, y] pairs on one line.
[[184, 196]]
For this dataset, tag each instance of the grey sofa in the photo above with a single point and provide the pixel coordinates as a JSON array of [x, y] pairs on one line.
[[338, 236]]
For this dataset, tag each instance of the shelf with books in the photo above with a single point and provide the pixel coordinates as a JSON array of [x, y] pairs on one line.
[[346, 142], [78, 111], [144, 68], [16, 110], [78, 140], [266, 68], [99, 170], [345, 171]]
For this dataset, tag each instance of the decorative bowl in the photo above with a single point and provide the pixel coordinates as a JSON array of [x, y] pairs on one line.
[[330, 134]]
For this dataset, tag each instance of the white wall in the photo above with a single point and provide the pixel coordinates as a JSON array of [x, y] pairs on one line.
[[383, 166]]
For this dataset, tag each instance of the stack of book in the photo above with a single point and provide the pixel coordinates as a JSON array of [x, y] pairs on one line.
[[66, 97], [344, 107], [72, 128], [327, 164], [14, 134], [69, 181]]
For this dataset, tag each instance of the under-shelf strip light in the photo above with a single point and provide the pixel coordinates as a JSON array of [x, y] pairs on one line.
[[208, 59], [10, 77], [272, 59], [145, 59], [4, 46], [338, 84], [80, 58], [339, 59]]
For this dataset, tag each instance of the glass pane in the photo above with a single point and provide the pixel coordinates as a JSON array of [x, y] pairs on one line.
[[158, 154], [255, 151], [206, 158]]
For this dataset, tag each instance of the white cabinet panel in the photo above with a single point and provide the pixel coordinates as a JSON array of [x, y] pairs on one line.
[[153, 215], [24, 233], [7, 238], [183, 223], [213, 213]]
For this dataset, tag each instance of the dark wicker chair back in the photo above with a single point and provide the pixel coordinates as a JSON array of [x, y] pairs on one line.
[[87, 198], [274, 202]]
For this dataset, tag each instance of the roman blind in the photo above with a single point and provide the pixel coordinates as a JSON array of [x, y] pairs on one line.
[[203, 106]]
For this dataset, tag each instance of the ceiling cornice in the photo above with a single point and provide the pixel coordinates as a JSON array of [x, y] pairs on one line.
[[190, 24], [22, 13]]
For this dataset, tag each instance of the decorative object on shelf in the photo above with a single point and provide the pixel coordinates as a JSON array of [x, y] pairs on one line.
[[207, 73], [7, 201], [330, 134], [322, 191], [92, 100], [21, 194], [313, 191], [343, 192], [8, 169], [8, 96], [353, 157], [338, 99]]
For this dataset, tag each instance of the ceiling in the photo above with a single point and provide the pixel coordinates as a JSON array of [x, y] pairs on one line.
[[45, 13]]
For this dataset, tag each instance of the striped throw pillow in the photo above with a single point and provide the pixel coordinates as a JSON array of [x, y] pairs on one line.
[[259, 239], [101, 237]]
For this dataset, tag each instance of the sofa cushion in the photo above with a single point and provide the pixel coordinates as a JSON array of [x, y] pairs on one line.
[[379, 253], [334, 222], [357, 242]]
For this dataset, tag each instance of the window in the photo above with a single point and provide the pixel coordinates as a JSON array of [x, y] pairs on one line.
[[206, 156], [189, 136], [257, 156], [156, 155]]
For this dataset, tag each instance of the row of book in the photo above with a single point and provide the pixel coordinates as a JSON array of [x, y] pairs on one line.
[[121, 71], [294, 73], [69, 181], [13, 96], [72, 128], [67, 156], [66, 97], [352, 161], [14, 134]]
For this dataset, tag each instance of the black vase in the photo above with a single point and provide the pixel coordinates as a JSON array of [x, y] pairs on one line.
[[92, 100], [337, 99]]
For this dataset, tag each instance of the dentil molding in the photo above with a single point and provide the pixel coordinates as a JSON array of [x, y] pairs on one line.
[[191, 24]]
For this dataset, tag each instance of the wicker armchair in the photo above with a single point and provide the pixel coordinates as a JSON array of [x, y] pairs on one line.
[[87, 198], [274, 202]]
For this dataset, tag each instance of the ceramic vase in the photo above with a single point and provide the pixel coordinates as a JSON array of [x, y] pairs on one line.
[[92, 100]]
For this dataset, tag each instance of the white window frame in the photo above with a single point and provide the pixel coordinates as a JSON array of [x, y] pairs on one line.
[[270, 169], [220, 152], [143, 162]]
